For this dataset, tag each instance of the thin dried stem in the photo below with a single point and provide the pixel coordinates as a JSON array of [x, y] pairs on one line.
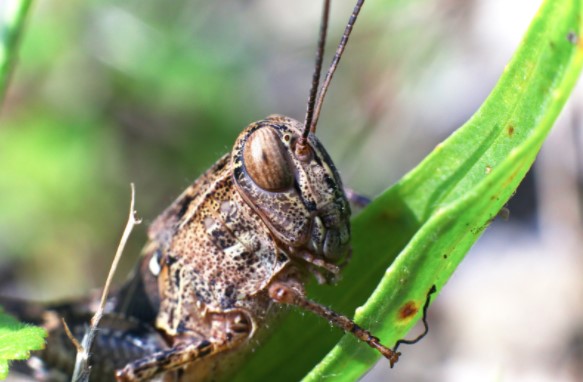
[[71, 336], [82, 368], [132, 221]]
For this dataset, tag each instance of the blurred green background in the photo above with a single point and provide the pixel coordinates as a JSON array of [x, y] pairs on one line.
[[153, 92], [106, 93]]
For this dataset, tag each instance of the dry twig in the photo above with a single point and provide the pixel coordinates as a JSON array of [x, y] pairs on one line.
[[82, 367]]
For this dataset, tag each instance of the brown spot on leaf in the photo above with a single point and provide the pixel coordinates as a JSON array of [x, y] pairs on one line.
[[510, 131], [408, 310]]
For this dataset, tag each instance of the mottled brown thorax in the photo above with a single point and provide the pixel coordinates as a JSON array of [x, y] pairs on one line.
[[220, 256]]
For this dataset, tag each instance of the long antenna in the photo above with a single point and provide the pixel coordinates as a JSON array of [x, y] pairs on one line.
[[315, 76], [334, 64]]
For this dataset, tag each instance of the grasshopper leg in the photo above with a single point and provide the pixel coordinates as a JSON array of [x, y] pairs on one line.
[[291, 292], [189, 350]]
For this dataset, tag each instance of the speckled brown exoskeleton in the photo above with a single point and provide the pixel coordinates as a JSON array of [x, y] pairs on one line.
[[244, 236]]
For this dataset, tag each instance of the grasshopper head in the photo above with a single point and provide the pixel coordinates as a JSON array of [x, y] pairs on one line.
[[299, 197]]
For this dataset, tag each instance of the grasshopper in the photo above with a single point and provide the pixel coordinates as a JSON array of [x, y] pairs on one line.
[[243, 238]]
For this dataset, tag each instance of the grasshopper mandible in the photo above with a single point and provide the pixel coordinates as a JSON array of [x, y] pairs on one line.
[[244, 236]]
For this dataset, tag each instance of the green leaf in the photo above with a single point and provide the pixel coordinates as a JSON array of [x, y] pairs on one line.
[[433, 215], [17, 340], [12, 15]]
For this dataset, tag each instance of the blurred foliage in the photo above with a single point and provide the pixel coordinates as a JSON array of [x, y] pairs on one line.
[[103, 95], [12, 16], [109, 92], [17, 340]]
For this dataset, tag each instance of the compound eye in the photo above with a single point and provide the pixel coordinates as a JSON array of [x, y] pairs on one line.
[[266, 160]]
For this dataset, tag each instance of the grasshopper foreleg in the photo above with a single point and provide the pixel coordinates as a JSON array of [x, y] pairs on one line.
[[291, 292]]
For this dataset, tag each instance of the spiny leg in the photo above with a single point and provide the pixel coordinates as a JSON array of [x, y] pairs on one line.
[[290, 292], [238, 329], [147, 367]]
